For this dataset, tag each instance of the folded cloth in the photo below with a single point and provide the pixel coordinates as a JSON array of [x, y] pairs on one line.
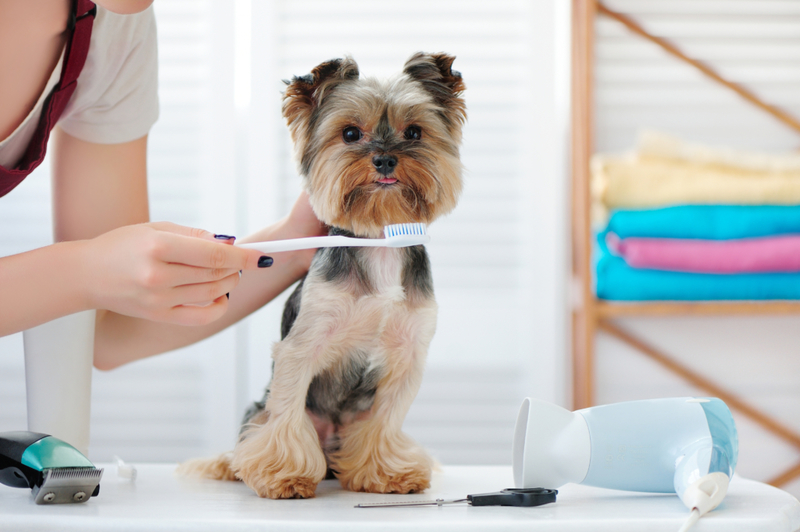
[[712, 222], [641, 181], [669, 171], [748, 255], [615, 280]]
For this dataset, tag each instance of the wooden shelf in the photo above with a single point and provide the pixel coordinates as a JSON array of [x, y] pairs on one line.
[[597, 315], [611, 309]]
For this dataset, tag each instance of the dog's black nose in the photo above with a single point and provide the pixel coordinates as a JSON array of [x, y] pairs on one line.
[[384, 163]]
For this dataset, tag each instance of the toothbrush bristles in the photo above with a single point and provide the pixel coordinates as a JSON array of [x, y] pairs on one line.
[[404, 229]]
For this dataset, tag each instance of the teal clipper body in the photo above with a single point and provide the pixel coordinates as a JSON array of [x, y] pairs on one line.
[[55, 470]]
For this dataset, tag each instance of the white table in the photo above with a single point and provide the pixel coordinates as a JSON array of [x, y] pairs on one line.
[[159, 500]]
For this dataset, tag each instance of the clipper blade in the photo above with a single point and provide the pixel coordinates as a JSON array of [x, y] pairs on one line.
[[68, 485]]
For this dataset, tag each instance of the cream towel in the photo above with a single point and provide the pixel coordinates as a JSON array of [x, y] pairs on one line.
[[668, 171]]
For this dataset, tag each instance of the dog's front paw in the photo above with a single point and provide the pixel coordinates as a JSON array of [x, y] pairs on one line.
[[280, 460], [272, 485], [379, 480], [381, 463]]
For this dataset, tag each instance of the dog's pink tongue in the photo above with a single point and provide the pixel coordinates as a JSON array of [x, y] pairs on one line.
[[387, 180]]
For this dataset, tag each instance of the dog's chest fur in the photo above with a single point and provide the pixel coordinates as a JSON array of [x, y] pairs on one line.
[[356, 292]]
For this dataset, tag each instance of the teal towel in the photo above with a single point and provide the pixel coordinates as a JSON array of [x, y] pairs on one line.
[[617, 281], [711, 222]]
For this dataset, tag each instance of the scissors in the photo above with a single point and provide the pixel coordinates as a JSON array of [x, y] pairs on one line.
[[507, 497]]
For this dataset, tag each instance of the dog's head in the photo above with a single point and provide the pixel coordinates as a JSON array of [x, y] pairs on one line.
[[375, 153]]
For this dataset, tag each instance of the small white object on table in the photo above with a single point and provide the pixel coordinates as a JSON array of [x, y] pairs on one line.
[[161, 501]]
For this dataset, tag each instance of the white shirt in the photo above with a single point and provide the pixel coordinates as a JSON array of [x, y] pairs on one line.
[[116, 98]]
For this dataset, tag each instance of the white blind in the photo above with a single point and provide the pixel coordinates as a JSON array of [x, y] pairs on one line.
[[219, 158], [466, 409], [153, 409]]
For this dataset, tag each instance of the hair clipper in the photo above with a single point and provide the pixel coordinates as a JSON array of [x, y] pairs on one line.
[[55, 470]]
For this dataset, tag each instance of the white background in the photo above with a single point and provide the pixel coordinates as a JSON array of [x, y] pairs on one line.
[[219, 158]]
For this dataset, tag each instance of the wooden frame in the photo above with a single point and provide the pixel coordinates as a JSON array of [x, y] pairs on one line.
[[591, 315]]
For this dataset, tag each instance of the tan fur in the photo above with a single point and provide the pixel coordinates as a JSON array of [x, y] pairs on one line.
[[354, 201], [375, 455], [332, 324], [216, 467], [280, 452]]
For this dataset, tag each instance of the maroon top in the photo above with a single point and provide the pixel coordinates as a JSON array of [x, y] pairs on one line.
[[81, 20]]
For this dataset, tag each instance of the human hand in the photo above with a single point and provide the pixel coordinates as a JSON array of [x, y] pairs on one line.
[[301, 221], [165, 272]]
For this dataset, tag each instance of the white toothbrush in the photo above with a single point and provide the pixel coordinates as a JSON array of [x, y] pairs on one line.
[[395, 236]]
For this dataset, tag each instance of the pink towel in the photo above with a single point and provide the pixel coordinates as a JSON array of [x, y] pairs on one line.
[[749, 255]]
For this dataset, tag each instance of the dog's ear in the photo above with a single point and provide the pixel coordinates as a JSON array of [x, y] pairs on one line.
[[305, 93], [435, 73]]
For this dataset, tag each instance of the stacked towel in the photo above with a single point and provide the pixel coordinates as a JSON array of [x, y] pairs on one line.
[[686, 222]]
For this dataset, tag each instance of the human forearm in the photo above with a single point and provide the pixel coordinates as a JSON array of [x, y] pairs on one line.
[[41, 285], [121, 339]]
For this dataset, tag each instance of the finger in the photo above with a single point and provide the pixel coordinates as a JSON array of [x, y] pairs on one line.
[[180, 275], [195, 232], [203, 253], [203, 292], [194, 315]]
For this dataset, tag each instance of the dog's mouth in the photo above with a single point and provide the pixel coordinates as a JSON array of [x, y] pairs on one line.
[[387, 180]]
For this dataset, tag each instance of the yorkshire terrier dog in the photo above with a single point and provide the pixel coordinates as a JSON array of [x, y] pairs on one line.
[[356, 330]]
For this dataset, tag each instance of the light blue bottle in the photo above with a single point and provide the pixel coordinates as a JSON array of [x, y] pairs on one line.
[[688, 446]]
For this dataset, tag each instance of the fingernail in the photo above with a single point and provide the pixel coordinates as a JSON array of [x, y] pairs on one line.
[[265, 262], [224, 237], [228, 295]]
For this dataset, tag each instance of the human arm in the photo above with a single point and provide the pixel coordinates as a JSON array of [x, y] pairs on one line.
[[100, 187], [120, 339]]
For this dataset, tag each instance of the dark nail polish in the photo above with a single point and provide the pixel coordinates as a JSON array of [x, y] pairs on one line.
[[228, 295], [224, 237], [265, 262]]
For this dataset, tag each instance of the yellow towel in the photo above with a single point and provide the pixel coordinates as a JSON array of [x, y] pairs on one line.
[[667, 171]]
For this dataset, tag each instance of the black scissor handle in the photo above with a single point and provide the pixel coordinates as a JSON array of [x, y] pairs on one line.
[[514, 497]]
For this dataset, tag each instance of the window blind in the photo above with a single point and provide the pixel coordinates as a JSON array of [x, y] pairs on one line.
[[476, 373], [219, 158]]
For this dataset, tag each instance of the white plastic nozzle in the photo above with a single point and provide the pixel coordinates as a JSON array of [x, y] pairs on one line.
[[124, 470], [705, 493], [551, 446]]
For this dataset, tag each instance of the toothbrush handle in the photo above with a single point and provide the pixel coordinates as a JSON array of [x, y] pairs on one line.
[[336, 241]]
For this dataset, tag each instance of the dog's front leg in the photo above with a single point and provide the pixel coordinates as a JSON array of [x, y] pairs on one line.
[[374, 454], [282, 459]]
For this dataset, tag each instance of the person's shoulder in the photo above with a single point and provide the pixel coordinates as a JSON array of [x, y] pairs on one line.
[[116, 98], [112, 29]]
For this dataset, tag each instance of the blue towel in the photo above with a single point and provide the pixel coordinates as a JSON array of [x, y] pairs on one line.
[[712, 222], [615, 280]]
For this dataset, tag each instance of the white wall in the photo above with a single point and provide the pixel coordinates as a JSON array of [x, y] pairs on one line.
[[639, 85]]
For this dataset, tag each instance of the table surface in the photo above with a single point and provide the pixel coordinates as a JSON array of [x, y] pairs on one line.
[[159, 500]]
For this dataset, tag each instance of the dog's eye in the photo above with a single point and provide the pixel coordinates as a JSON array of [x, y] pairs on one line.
[[351, 134], [413, 133]]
